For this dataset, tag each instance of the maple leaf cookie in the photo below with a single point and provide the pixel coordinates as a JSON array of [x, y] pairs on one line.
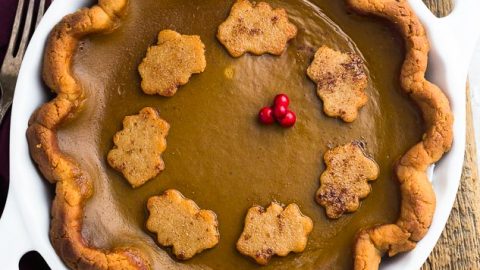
[[274, 231], [341, 82], [345, 179], [138, 147], [256, 28], [180, 223], [171, 63]]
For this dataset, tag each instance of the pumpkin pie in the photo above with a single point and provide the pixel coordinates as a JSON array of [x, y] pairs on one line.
[[219, 156]]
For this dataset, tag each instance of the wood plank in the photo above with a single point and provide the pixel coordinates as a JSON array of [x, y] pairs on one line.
[[459, 245]]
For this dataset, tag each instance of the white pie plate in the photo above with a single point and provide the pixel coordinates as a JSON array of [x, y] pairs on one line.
[[24, 225]]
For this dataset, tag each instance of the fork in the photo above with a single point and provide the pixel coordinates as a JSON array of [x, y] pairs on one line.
[[22, 30]]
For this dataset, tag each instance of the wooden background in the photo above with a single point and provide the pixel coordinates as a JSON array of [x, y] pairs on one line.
[[459, 245]]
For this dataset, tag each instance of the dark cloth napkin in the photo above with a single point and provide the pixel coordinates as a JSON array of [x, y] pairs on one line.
[[7, 15]]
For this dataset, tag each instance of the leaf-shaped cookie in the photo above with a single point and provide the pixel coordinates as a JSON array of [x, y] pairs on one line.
[[138, 147]]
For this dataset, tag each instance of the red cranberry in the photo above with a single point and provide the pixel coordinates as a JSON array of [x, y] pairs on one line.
[[281, 99], [266, 116], [288, 120], [279, 111]]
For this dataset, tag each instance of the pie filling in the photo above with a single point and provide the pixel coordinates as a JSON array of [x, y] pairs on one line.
[[217, 153]]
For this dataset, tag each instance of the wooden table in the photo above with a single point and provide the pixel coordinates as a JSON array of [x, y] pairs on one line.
[[459, 245]]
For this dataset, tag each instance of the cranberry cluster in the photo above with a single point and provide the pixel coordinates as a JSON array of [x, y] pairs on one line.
[[278, 112]]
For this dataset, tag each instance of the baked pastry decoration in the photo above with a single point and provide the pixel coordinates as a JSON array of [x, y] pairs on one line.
[[389, 238], [180, 223], [256, 28], [341, 82], [170, 63], [139, 146], [274, 231], [345, 179]]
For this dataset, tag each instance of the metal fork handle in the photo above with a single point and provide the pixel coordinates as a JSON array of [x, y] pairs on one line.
[[4, 106], [7, 95], [11, 65]]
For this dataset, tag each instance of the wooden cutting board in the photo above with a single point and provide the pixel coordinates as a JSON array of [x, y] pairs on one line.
[[459, 245]]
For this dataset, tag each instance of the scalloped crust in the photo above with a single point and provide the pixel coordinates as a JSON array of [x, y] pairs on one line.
[[74, 188], [418, 197]]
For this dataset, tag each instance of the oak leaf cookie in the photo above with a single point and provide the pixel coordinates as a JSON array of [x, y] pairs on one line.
[[171, 62], [180, 223], [274, 231], [341, 82], [138, 147], [345, 180], [256, 28]]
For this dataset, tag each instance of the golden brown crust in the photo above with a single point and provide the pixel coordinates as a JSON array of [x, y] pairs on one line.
[[418, 197], [371, 244], [73, 186]]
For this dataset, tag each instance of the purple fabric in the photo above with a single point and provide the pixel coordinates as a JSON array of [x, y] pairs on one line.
[[7, 16], [4, 150]]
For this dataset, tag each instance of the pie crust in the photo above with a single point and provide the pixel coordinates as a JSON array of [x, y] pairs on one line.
[[74, 188]]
